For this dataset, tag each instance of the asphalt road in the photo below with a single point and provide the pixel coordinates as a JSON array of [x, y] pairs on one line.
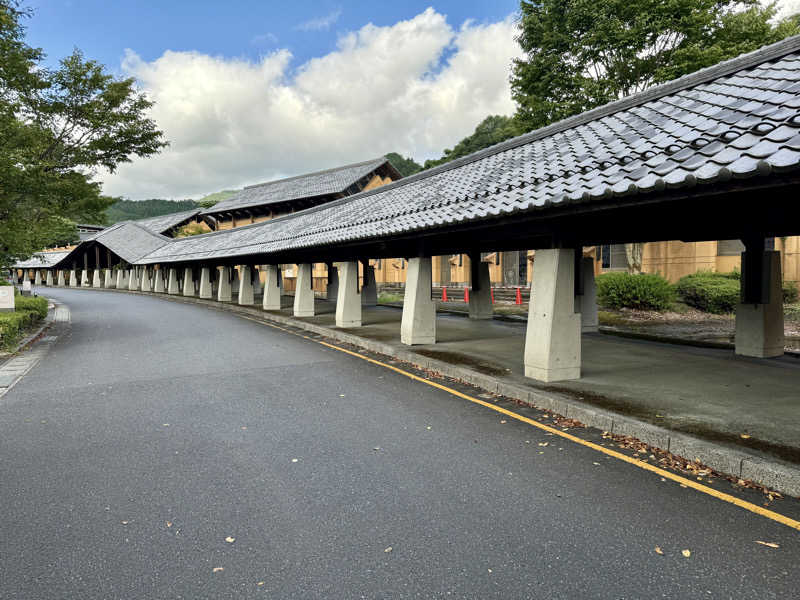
[[155, 430]]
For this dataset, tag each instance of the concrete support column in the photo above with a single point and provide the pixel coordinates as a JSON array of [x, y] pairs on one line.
[[144, 283], [587, 301], [61, 279], [332, 293], [108, 280], [133, 280], [369, 289], [85, 278], [172, 283], [188, 282], [122, 279], [348, 298], [205, 283], [245, 285], [759, 326], [224, 287], [304, 292], [418, 325], [480, 296], [553, 338], [73, 278], [159, 287], [272, 289], [37, 280], [96, 282], [49, 279]]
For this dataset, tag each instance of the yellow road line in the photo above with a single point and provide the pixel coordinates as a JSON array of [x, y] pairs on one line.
[[754, 508]]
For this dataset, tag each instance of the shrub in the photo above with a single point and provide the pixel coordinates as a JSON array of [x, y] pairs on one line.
[[716, 293], [790, 292], [29, 310], [644, 291]]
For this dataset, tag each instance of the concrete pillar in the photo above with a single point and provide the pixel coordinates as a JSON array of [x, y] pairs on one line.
[[418, 325], [49, 279], [759, 327], [348, 299], [369, 289], [73, 278], [159, 287], [85, 278], [172, 284], [37, 280], [61, 279], [96, 279], [587, 302], [246, 285], [256, 282], [108, 280], [205, 283], [188, 282], [144, 283], [480, 296], [224, 288], [332, 293], [553, 338], [122, 279], [304, 292], [272, 289], [133, 280]]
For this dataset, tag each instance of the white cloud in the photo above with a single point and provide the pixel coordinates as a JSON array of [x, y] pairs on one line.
[[264, 39], [785, 7], [415, 87], [321, 23]]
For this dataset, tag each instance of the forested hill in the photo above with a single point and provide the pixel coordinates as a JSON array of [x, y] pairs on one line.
[[126, 210]]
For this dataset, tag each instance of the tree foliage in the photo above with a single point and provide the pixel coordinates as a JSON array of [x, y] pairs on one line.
[[131, 210], [59, 127], [580, 54], [406, 166], [492, 130]]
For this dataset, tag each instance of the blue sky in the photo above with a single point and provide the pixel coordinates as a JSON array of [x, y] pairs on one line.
[[104, 29], [246, 92]]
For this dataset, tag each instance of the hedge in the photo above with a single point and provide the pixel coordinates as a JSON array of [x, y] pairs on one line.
[[644, 291], [720, 292], [29, 310]]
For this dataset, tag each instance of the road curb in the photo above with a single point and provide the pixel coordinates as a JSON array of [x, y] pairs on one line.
[[783, 477]]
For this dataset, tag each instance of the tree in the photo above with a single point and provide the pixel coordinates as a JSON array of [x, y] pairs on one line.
[[405, 166], [58, 128], [580, 54], [492, 130]]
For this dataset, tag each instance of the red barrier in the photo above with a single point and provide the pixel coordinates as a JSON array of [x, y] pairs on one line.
[[491, 291], [519, 297], [444, 294], [466, 295]]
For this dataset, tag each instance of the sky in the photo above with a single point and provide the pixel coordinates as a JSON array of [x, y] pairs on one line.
[[250, 91]]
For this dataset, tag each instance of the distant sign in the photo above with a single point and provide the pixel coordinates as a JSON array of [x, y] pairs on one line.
[[6, 298], [26, 285]]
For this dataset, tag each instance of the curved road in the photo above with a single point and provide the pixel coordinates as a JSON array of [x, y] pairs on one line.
[[154, 430]]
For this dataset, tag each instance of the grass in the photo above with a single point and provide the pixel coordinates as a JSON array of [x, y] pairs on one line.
[[791, 312], [385, 298]]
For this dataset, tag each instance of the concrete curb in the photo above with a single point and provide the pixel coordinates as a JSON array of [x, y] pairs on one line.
[[783, 477]]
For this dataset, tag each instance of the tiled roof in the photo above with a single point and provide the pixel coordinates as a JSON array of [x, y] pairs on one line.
[[738, 119], [164, 223], [42, 260], [321, 183]]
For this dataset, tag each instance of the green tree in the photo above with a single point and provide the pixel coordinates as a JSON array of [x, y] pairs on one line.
[[492, 130], [580, 54], [406, 166], [58, 129]]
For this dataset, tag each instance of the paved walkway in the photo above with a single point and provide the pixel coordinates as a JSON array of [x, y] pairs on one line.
[[164, 450], [706, 392]]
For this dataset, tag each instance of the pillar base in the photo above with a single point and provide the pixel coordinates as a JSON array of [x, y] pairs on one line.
[[759, 327]]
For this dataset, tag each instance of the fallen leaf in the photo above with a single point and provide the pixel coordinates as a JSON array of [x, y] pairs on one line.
[[341, 395], [543, 443], [502, 422], [527, 441], [230, 539], [686, 553], [428, 427], [489, 570], [243, 428], [596, 464], [166, 425], [169, 523], [770, 544], [218, 569], [683, 485], [260, 583], [125, 522], [376, 448], [389, 549], [294, 460], [744, 436], [659, 550]]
